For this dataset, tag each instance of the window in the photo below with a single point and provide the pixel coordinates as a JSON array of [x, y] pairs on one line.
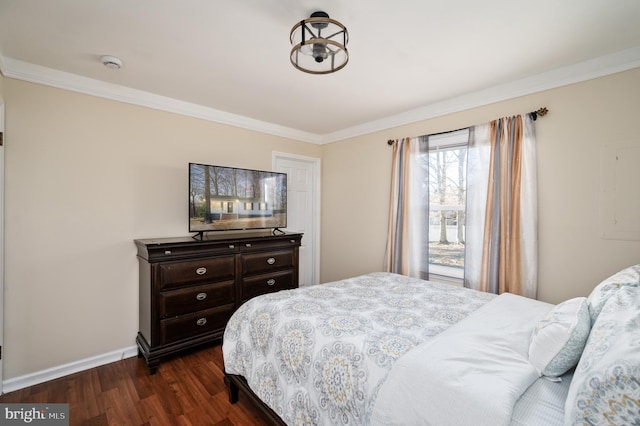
[[445, 166]]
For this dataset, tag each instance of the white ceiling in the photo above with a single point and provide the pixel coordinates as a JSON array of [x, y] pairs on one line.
[[228, 61]]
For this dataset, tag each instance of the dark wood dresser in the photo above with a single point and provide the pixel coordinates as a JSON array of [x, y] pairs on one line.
[[190, 287]]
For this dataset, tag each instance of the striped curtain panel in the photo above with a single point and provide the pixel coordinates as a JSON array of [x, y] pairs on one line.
[[408, 212], [501, 230]]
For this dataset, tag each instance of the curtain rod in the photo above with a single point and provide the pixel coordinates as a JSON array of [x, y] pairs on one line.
[[540, 112]]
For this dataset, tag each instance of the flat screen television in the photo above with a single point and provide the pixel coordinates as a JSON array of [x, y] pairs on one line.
[[229, 198]]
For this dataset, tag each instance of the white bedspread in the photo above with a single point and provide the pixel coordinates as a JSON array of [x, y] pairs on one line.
[[471, 374]]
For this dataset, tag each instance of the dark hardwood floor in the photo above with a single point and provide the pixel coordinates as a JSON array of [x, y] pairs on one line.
[[186, 390]]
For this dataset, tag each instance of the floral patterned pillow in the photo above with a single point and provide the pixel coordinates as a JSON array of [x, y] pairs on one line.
[[629, 277], [559, 338], [605, 389]]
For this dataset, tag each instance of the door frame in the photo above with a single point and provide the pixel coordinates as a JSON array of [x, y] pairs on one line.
[[315, 164], [2, 143]]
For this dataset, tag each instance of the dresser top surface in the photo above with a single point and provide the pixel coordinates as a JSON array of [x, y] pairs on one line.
[[214, 238]]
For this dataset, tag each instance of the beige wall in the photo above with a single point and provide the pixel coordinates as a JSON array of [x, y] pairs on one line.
[[84, 177], [572, 257]]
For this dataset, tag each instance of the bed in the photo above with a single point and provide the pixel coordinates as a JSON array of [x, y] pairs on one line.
[[386, 349]]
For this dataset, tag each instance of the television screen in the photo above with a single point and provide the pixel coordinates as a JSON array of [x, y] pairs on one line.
[[228, 198]]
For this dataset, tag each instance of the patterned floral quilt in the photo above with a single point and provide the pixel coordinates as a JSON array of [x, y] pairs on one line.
[[319, 355]]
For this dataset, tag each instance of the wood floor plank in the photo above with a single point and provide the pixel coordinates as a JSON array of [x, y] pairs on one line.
[[152, 411], [186, 390], [99, 420], [120, 409]]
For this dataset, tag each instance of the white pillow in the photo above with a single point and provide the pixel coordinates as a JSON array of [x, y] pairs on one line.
[[559, 338]]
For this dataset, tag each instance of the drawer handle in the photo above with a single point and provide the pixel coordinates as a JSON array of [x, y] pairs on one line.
[[231, 246], [201, 322], [201, 296], [248, 245], [271, 282], [201, 271], [293, 241], [271, 260]]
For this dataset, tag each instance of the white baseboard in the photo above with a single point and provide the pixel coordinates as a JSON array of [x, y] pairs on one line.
[[42, 376]]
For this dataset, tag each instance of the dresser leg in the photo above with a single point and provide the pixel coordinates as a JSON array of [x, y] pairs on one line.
[[153, 367]]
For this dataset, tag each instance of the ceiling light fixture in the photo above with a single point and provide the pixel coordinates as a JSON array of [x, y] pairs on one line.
[[111, 62], [317, 53]]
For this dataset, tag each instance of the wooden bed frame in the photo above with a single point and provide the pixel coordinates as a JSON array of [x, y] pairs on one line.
[[237, 383]]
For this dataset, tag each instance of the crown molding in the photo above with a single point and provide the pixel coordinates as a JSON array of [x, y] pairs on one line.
[[62, 80], [582, 71]]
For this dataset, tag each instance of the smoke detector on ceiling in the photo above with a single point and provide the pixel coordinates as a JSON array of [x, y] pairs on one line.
[[111, 62]]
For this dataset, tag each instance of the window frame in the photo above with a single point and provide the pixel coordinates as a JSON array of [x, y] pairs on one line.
[[448, 141]]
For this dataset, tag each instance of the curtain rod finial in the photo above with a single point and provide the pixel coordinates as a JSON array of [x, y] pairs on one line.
[[542, 111]]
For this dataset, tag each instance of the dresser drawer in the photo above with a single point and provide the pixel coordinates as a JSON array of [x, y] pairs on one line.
[[208, 270], [267, 244], [255, 263], [155, 252], [267, 283], [197, 323], [190, 299]]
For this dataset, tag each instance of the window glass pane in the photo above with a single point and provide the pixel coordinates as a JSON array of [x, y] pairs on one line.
[[447, 166]]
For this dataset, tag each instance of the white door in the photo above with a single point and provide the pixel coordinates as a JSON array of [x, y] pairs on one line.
[[303, 209]]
